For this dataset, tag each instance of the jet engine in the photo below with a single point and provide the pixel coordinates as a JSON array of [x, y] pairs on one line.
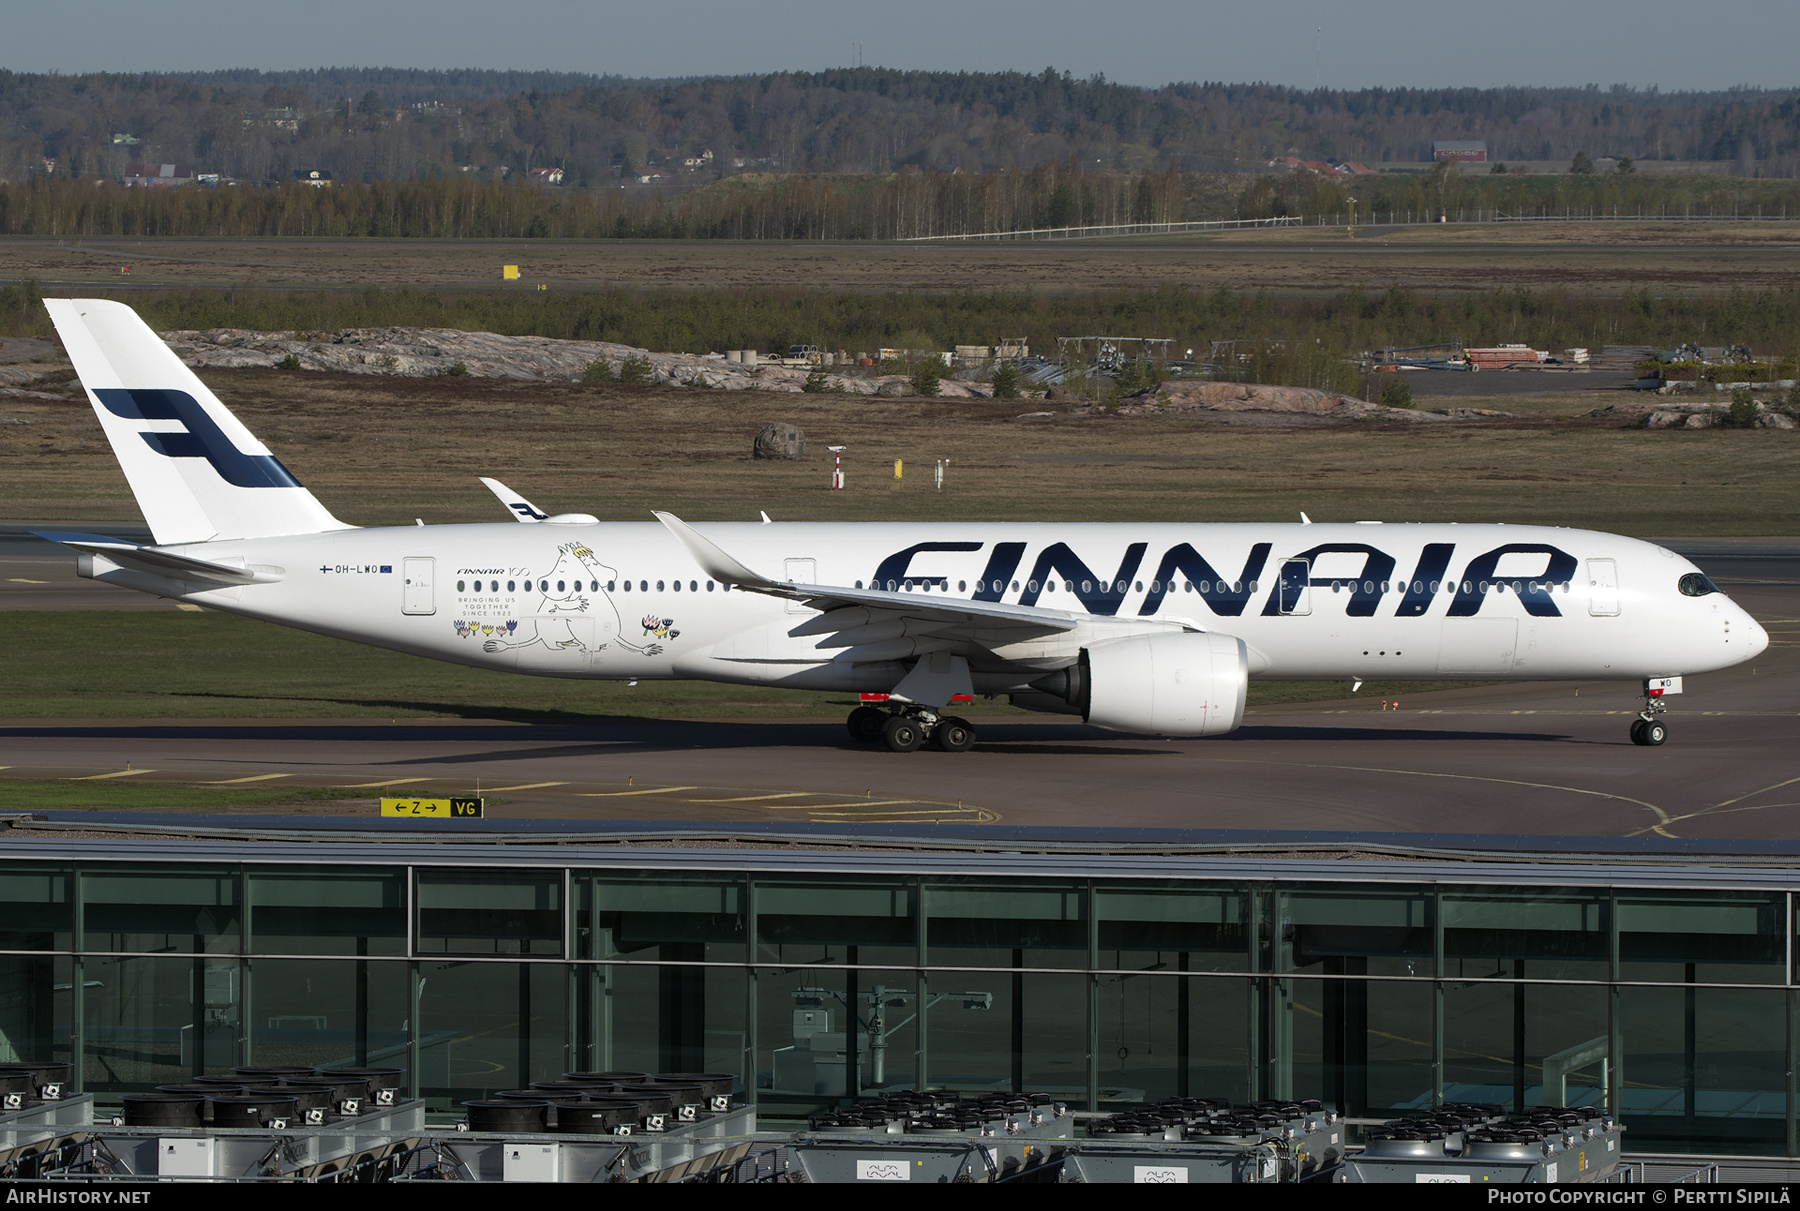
[[1186, 684]]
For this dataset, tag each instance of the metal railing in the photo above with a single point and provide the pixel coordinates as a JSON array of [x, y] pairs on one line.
[[1100, 231]]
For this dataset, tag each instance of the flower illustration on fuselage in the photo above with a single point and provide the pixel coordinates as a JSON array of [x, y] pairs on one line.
[[662, 628]]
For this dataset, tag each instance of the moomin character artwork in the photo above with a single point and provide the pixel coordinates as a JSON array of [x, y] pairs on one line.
[[569, 592]]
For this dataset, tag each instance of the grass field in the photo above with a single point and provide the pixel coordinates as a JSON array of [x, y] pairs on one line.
[[46, 794], [1589, 256], [385, 451], [98, 665]]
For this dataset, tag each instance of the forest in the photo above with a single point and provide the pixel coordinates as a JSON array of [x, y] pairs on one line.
[[909, 204], [391, 125]]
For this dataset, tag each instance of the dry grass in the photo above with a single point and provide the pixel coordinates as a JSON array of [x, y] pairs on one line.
[[1592, 257], [384, 451]]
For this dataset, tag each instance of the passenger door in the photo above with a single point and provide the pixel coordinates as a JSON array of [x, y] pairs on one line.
[[1296, 587], [800, 571], [416, 596], [1603, 588]]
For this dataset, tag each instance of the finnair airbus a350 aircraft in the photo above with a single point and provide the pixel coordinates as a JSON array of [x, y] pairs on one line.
[[1141, 628]]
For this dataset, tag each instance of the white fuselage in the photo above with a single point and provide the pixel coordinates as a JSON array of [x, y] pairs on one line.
[[626, 600]]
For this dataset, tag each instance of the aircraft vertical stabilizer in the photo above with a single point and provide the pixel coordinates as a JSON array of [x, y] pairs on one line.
[[197, 472]]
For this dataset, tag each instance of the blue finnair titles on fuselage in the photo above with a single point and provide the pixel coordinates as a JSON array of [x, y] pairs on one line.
[[1310, 601]]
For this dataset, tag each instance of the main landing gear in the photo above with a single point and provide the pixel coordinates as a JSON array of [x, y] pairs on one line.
[[1648, 729], [907, 728]]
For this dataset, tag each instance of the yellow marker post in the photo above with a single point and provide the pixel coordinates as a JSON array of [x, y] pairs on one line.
[[432, 809], [896, 468], [509, 273]]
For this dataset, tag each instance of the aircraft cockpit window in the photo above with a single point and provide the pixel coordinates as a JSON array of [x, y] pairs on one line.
[[1695, 584]]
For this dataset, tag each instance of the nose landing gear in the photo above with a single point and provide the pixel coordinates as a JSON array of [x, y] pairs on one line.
[[1648, 729], [904, 729]]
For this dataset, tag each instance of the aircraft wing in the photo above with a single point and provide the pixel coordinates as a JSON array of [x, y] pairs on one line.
[[158, 562], [873, 624]]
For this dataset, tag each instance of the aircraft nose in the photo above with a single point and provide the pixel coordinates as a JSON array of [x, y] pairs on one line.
[[1758, 637]]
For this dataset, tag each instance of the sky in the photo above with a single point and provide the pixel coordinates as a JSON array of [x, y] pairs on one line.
[[1350, 44]]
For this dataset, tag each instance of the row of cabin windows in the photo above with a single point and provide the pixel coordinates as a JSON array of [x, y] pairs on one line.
[[1236, 586], [1087, 586], [562, 586]]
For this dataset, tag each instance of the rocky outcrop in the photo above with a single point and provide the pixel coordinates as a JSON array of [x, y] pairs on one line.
[[427, 352], [1178, 397], [780, 440], [1666, 415]]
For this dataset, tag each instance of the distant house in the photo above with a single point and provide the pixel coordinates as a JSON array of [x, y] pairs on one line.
[[317, 178], [650, 176], [699, 161], [280, 119], [1356, 168], [1298, 165], [1459, 150], [547, 176], [159, 175]]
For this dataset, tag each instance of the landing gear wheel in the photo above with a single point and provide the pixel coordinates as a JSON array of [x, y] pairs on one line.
[[1655, 732], [1637, 731], [865, 724], [954, 735], [902, 733]]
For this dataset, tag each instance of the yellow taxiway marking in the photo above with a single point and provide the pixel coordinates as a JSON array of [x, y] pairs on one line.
[[1662, 817], [829, 807], [523, 786], [741, 798], [655, 790], [941, 811], [970, 816], [22, 580], [190, 608], [251, 778], [357, 786], [124, 773]]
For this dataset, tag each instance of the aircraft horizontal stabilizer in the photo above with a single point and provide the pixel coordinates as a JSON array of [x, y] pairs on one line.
[[518, 506], [159, 562]]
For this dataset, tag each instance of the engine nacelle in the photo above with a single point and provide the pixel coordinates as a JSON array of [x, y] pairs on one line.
[[1183, 684]]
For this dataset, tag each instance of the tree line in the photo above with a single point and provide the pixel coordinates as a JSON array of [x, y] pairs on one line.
[[387, 124], [909, 204]]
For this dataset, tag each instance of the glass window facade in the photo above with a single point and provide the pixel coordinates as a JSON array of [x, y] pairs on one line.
[[815, 980]]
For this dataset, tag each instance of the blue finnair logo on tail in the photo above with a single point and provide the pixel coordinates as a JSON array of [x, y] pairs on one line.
[[203, 439]]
